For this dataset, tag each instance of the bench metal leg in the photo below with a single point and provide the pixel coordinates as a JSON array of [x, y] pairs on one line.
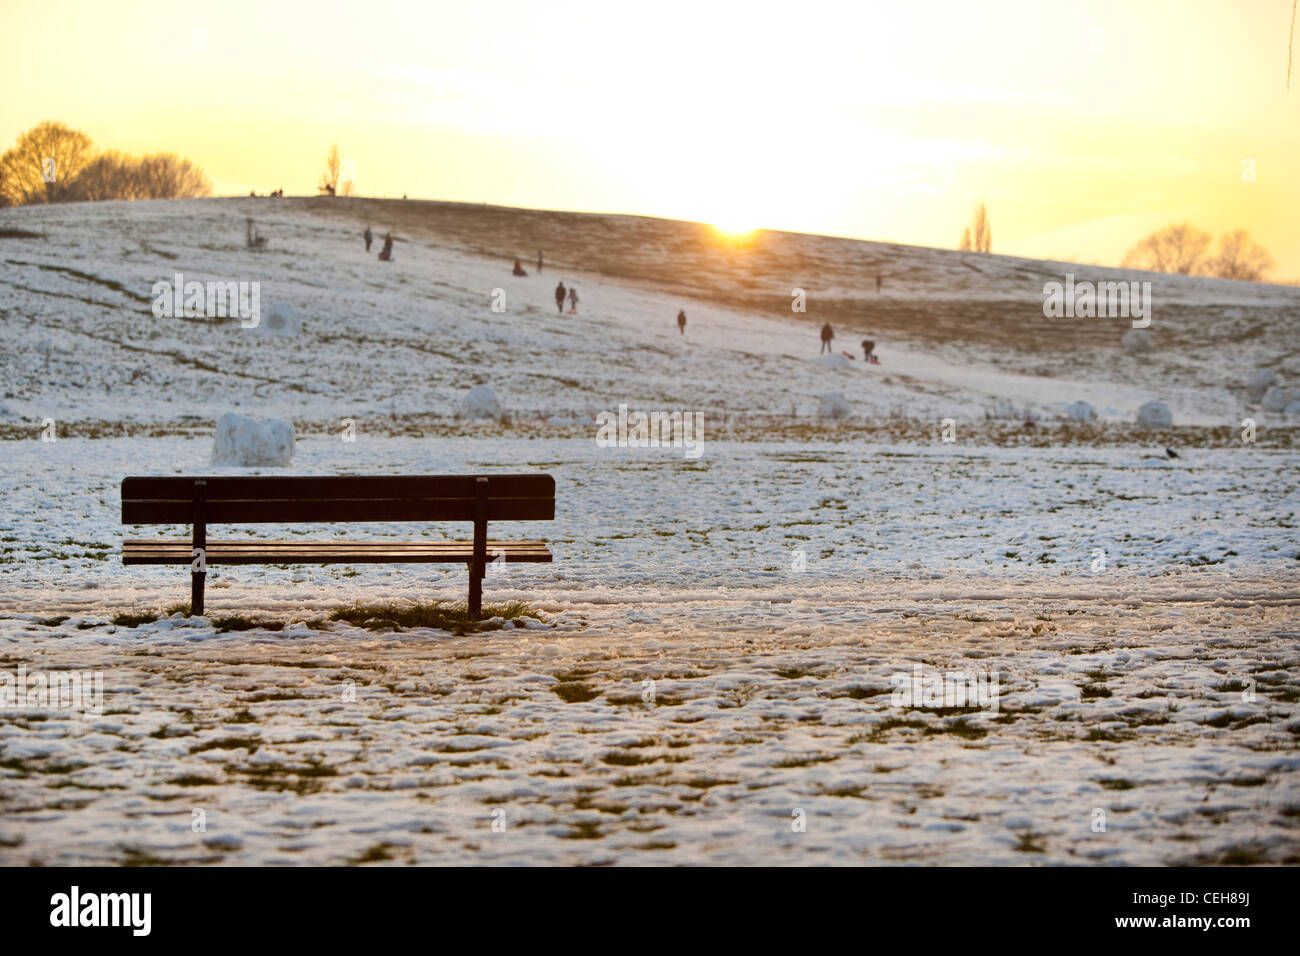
[[479, 566], [196, 593], [199, 566], [475, 593]]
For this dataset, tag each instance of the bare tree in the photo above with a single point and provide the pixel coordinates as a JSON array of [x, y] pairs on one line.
[[1240, 257], [1179, 249], [329, 178], [978, 236], [167, 176], [113, 175], [43, 161]]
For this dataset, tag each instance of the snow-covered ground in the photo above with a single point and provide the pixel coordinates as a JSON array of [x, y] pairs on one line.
[[712, 678], [1158, 686], [960, 335]]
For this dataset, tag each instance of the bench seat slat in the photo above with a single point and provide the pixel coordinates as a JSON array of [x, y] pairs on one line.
[[254, 551], [291, 487], [325, 510], [277, 499]]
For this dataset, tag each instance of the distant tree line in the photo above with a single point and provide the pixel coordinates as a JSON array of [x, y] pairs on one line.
[[1186, 250], [52, 163]]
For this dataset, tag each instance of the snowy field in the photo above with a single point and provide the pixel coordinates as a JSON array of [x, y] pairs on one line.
[[713, 676], [1159, 690]]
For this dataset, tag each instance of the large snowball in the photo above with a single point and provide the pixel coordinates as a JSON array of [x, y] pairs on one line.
[[1276, 399], [279, 319], [1137, 341], [1081, 412], [1260, 382], [833, 405], [1155, 415], [480, 402], [242, 441]]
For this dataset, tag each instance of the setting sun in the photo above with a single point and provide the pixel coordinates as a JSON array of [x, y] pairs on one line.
[[733, 228]]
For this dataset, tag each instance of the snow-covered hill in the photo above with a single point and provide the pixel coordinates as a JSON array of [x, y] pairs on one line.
[[961, 335]]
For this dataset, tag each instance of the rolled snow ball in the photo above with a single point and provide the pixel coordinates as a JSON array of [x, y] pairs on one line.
[[1292, 409], [281, 319], [833, 405], [241, 441], [480, 402], [1137, 341], [1081, 412], [1275, 399], [1155, 415], [1260, 382]]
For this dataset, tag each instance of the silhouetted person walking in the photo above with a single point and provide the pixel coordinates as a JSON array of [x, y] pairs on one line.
[[539, 261], [681, 321], [827, 334], [877, 283], [559, 297], [370, 237]]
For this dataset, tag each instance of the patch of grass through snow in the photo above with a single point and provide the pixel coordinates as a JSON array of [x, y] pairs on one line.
[[443, 616]]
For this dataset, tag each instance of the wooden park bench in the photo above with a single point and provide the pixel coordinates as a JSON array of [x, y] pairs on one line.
[[203, 501]]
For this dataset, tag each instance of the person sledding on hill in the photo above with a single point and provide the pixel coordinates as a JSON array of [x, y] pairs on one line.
[[386, 254], [573, 301], [827, 334], [519, 269], [681, 321], [559, 297]]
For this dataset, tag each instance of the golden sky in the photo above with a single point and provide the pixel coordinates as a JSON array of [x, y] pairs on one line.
[[1082, 124]]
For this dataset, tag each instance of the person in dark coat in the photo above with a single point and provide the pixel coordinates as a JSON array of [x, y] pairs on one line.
[[573, 300], [559, 297], [867, 347], [519, 269], [369, 237], [539, 261], [386, 254], [681, 321], [827, 334]]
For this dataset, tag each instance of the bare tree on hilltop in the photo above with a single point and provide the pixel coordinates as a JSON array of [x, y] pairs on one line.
[[1179, 249], [1240, 257], [1185, 250], [52, 163], [329, 177], [42, 164], [112, 175], [978, 236]]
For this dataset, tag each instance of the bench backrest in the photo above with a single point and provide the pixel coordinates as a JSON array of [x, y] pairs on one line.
[[283, 499]]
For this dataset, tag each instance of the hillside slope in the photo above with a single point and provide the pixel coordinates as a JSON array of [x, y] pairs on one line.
[[960, 334]]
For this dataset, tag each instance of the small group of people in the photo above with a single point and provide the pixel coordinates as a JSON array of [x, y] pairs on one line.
[[868, 346], [561, 293], [277, 194], [385, 254], [519, 269], [560, 296]]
